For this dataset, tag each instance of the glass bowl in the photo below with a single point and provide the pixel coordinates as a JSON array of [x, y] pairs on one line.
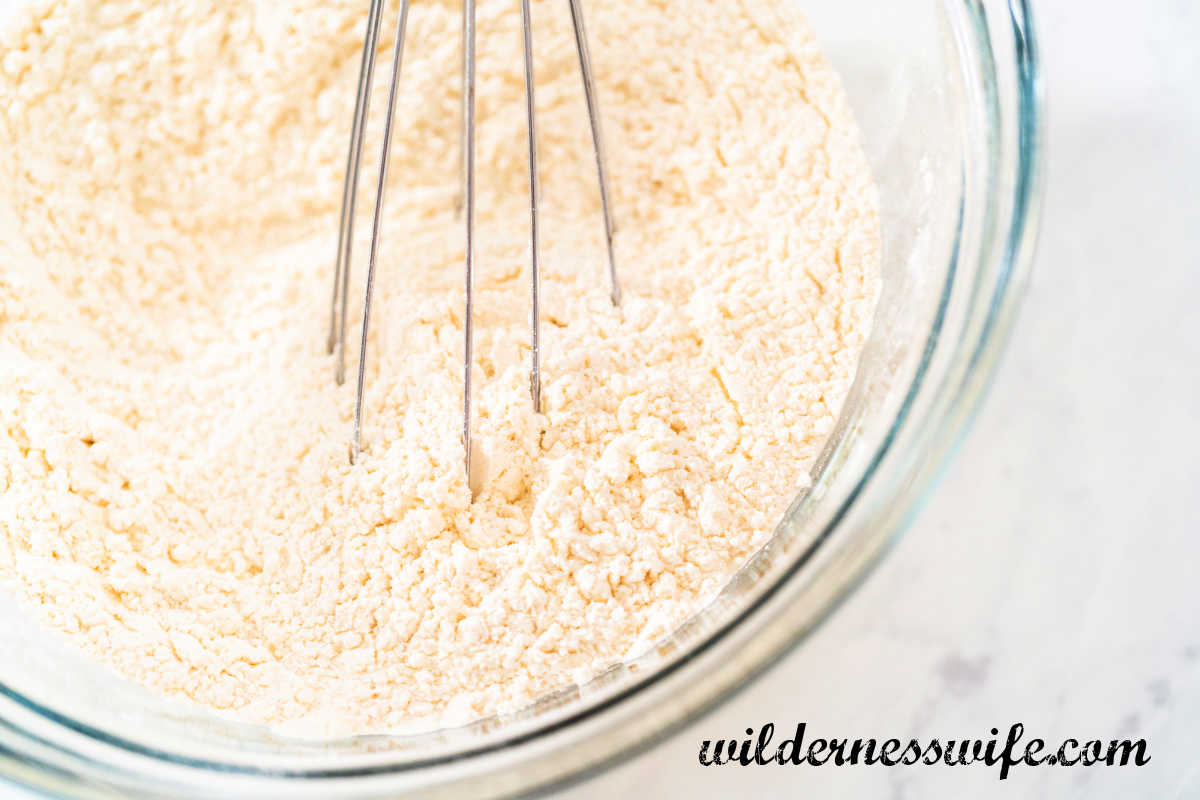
[[947, 96]]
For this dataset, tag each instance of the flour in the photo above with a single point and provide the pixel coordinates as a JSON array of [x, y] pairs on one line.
[[177, 498]]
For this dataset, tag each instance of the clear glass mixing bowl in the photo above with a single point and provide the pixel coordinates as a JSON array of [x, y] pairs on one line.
[[947, 95]]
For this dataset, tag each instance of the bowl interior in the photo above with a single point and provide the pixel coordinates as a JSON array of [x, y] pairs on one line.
[[909, 86]]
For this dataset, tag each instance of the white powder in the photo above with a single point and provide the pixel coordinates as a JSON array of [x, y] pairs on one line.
[[176, 493]]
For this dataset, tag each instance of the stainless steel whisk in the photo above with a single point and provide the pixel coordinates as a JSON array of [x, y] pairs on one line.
[[341, 279]]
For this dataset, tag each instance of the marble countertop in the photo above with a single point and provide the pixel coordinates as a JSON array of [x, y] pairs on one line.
[[1051, 579]]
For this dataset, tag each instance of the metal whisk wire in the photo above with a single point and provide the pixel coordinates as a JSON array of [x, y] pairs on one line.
[[466, 200], [341, 275], [384, 159], [469, 211], [535, 267]]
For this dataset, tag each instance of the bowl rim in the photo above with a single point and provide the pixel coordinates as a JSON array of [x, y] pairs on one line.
[[88, 762]]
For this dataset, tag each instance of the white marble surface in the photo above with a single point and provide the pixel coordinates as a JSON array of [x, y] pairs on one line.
[[1052, 579]]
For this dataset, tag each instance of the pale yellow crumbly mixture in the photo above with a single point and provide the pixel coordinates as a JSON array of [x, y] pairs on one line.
[[176, 493]]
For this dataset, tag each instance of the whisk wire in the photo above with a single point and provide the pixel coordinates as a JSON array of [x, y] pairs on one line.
[[464, 203], [462, 127], [384, 160], [469, 211], [341, 278], [535, 364], [359, 99], [593, 109]]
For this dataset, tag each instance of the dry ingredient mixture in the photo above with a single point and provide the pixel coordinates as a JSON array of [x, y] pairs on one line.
[[176, 493]]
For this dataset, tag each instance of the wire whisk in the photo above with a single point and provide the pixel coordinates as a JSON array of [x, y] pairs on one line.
[[336, 342]]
